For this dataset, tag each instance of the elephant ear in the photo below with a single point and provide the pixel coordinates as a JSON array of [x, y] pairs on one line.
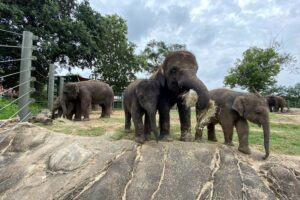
[[159, 77], [238, 105]]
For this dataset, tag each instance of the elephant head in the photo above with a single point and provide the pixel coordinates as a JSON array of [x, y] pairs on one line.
[[255, 109], [70, 93], [147, 93], [178, 74]]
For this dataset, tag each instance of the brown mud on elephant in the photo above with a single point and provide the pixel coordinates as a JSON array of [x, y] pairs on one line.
[[86, 93], [233, 110], [176, 76]]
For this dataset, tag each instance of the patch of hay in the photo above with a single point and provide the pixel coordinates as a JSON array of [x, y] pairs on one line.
[[190, 98], [204, 117]]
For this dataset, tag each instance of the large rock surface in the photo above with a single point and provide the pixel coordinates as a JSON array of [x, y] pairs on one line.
[[38, 164]]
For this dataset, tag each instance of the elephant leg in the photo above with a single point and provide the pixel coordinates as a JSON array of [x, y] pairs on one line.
[[281, 109], [78, 113], [164, 121], [138, 124], [147, 127], [242, 129], [211, 133], [227, 128], [127, 121], [60, 113], [53, 114], [106, 110], [85, 108], [185, 122]]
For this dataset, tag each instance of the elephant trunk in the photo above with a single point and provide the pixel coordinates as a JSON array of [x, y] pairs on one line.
[[201, 90], [266, 130]]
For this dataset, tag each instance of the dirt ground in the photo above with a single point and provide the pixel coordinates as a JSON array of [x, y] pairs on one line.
[[291, 117]]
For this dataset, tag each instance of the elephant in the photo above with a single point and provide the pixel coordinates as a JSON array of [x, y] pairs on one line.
[[85, 93], [233, 110], [275, 103], [176, 76], [141, 97], [58, 107]]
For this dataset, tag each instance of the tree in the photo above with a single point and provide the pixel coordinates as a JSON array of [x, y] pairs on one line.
[[70, 34], [258, 69], [155, 53]]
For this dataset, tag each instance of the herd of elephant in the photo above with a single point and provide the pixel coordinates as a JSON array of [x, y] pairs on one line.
[[161, 92]]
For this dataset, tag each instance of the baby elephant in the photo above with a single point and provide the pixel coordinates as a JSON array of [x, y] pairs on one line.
[[141, 97], [234, 109]]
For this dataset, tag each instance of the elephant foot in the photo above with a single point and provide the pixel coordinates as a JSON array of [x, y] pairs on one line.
[[214, 140], [186, 138], [126, 130], [245, 150], [147, 137], [77, 119], [229, 143], [86, 119], [198, 137], [139, 139], [166, 138]]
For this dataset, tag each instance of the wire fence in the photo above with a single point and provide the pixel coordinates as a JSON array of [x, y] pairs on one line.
[[16, 100]]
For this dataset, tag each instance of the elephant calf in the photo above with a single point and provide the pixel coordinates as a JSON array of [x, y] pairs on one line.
[[141, 97], [233, 110], [57, 106]]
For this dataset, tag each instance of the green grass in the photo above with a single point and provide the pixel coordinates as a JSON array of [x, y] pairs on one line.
[[284, 137], [8, 111], [13, 108]]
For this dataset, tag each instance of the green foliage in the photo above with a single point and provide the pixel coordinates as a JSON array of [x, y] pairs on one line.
[[13, 108], [71, 34], [9, 111], [258, 69], [155, 53]]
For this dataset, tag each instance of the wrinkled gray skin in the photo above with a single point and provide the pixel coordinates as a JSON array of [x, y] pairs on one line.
[[86, 93], [140, 97], [57, 107], [275, 103], [233, 110], [176, 76]]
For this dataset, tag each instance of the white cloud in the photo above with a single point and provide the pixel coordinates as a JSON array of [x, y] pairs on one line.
[[217, 32]]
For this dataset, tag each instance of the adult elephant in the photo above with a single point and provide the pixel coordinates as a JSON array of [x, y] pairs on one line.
[[275, 103], [176, 76], [86, 93], [233, 110]]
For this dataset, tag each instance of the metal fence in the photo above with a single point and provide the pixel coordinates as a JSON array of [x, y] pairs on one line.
[[26, 80]]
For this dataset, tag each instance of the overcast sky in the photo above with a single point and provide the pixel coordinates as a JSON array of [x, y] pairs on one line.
[[216, 31]]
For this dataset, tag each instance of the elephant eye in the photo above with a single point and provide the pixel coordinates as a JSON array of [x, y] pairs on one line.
[[174, 70]]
